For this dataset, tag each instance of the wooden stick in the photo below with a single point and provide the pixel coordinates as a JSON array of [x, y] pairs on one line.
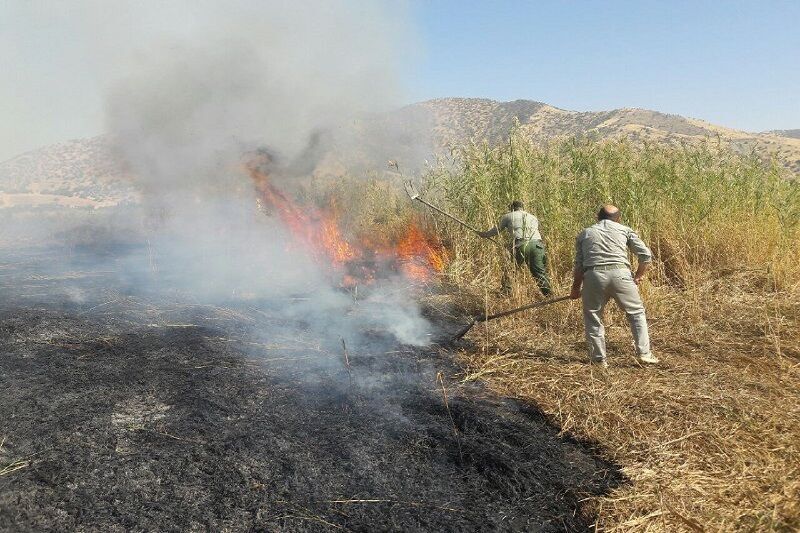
[[414, 195], [469, 227], [523, 308], [484, 318]]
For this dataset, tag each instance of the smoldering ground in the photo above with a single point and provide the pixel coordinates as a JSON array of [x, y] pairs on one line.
[[126, 411], [142, 390], [193, 374], [141, 387]]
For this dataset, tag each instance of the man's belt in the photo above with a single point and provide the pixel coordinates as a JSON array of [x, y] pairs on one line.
[[611, 266]]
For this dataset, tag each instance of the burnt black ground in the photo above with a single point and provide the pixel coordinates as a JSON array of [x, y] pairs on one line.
[[137, 412]]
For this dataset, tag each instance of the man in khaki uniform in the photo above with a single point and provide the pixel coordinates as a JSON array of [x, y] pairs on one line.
[[527, 246], [603, 268]]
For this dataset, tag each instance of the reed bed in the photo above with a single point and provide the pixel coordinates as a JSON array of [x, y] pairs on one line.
[[710, 439]]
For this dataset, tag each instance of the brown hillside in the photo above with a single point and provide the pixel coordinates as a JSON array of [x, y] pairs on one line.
[[456, 120], [794, 134], [76, 173], [87, 172]]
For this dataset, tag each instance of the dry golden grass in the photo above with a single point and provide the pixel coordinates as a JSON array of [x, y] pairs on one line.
[[709, 439]]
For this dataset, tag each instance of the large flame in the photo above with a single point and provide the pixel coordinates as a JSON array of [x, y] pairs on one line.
[[414, 254]]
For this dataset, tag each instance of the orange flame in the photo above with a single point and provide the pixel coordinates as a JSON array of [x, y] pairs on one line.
[[415, 254], [418, 257]]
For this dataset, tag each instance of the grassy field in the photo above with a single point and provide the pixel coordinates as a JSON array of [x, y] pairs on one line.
[[710, 439]]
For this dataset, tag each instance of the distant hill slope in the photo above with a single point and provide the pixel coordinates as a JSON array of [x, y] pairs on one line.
[[77, 173], [456, 120], [794, 134], [87, 173]]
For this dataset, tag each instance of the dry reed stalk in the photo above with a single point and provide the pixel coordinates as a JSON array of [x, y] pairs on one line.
[[440, 379], [347, 362], [13, 467], [401, 502]]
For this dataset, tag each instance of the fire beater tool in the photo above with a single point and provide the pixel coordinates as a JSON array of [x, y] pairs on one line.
[[412, 192], [485, 318]]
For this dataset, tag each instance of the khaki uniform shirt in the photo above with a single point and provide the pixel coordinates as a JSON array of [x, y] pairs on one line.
[[522, 225], [607, 242]]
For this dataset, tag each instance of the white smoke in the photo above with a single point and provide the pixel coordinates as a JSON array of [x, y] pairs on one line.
[[226, 78], [252, 74]]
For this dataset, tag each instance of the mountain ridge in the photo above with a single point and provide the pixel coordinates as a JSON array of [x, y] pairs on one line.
[[459, 120], [90, 173]]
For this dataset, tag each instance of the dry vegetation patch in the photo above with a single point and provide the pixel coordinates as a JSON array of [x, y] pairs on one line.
[[710, 439]]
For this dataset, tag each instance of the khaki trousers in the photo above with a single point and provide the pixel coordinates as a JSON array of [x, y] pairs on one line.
[[599, 286]]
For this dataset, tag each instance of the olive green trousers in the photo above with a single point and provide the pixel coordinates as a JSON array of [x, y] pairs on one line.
[[533, 254]]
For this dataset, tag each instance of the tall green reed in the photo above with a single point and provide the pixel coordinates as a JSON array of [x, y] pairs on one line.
[[702, 208]]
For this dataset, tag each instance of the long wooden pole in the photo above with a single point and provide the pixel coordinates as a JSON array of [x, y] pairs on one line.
[[484, 318], [469, 227]]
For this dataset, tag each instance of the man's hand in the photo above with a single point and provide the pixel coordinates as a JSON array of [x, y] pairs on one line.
[[640, 272], [575, 293], [577, 282]]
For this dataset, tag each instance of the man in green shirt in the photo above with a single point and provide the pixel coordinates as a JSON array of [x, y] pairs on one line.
[[527, 246]]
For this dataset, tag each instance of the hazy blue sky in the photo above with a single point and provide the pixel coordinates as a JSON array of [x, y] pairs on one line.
[[734, 63]]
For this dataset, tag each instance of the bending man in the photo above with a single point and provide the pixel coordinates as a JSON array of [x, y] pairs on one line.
[[527, 246], [602, 267]]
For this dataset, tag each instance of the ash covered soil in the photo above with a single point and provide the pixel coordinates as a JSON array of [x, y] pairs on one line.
[[126, 410]]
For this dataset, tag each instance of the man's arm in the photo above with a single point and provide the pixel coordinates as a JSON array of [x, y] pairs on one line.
[[495, 230], [640, 272], [577, 281], [577, 274], [489, 232], [643, 255]]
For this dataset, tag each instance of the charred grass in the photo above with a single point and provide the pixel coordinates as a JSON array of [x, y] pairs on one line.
[[151, 411]]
